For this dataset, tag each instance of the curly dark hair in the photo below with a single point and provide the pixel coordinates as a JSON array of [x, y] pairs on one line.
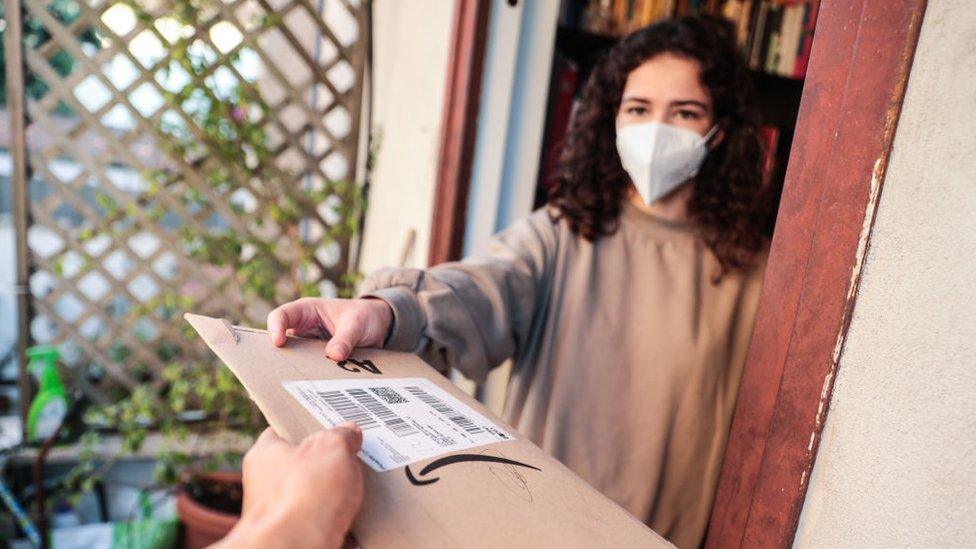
[[728, 204]]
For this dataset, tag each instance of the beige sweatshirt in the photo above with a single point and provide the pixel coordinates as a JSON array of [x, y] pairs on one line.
[[627, 357]]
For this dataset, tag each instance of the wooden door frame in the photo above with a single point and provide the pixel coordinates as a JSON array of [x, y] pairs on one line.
[[458, 129], [859, 66], [862, 55]]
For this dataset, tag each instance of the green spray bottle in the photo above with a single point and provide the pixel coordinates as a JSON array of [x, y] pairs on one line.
[[51, 403]]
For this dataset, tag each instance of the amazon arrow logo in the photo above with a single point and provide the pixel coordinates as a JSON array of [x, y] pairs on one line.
[[458, 458]]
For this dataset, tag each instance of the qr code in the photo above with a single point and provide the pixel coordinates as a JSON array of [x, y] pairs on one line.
[[389, 395]]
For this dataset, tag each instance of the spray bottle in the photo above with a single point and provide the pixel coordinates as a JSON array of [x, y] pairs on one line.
[[51, 404]]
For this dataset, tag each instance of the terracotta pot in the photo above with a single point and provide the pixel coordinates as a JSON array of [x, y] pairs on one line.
[[203, 526]]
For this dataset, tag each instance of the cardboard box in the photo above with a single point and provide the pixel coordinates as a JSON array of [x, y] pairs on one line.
[[441, 469]]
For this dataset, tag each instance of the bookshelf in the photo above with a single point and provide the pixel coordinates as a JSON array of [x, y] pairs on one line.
[[775, 36]]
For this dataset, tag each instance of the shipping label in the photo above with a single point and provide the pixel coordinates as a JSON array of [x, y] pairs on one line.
[[403, 420]]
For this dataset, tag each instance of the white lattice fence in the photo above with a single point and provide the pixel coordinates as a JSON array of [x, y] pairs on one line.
[[191, 154]]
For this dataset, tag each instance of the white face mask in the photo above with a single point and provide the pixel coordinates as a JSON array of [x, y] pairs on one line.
[[659, 157]]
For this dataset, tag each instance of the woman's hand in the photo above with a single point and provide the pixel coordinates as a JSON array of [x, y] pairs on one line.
[[300, 495], [351, 322]]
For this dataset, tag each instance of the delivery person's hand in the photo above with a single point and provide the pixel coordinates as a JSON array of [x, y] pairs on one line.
[[351, 323], [300, 495]]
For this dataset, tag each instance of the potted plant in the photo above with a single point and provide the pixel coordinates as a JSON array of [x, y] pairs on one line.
[[198, 401]]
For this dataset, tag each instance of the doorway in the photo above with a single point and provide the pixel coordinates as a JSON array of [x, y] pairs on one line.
[[831, 165]]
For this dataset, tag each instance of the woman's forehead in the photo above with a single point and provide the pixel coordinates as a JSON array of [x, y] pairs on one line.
[[666, 77]]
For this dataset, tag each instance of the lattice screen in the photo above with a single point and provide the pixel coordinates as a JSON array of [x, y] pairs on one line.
[[186, 155]]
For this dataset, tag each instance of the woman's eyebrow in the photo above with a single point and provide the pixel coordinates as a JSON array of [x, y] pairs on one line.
[[687, 102], [637, 100]]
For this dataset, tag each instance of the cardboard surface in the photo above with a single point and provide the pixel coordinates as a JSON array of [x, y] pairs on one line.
[[509, 494]]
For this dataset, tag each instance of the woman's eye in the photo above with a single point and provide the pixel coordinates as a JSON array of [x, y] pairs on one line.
[[688, 115], [639, 111]]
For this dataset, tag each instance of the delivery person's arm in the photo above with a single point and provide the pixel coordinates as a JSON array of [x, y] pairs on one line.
[[300, 495], [470, 315]]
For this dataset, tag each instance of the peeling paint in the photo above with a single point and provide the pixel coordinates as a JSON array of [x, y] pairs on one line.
[[870, 210], [877, 176], [878, 170]]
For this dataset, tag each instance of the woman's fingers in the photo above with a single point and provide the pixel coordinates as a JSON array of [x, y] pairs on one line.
[[279, 322], [349, 332], [352, 323], [300, 317]]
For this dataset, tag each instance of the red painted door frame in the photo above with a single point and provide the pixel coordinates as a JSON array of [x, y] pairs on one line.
[[852, 96], [458, 126]]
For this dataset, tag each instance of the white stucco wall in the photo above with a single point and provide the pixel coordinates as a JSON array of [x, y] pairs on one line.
[[897, 463], [410, 53]]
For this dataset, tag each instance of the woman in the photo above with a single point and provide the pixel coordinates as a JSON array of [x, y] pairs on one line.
[[628, 302]]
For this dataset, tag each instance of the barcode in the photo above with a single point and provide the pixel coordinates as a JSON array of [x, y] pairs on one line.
[[396, 424], [347, 409], [445, 410], [389, 395]]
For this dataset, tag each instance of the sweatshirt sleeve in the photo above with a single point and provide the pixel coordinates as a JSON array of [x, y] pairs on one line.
[[473, 314]]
